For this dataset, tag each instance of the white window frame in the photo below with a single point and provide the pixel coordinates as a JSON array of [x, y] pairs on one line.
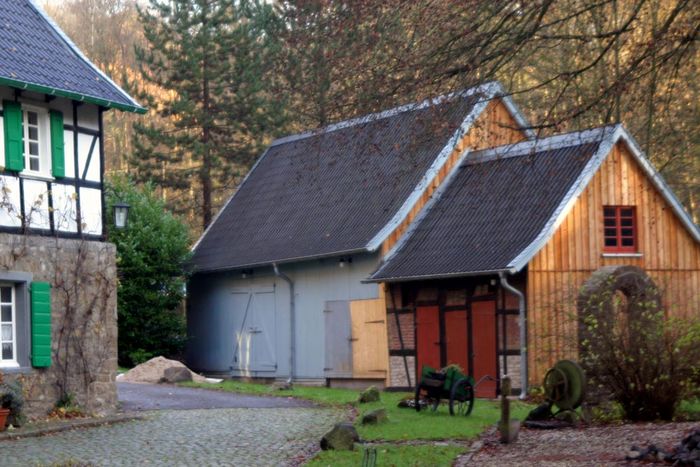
[[13, 363], [43, 126]]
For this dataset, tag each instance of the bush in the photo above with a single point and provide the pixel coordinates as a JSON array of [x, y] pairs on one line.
[[151, 253], [11, 397], [645, 361]]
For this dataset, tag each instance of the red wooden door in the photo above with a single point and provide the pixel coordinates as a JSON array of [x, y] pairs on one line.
[[484, 338], [457, 339], [428, 337]]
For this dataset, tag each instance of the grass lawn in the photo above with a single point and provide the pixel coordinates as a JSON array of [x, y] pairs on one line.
[[388, 455], [404, 423]]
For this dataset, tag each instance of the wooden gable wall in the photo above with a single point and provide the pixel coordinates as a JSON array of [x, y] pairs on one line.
[[668, 253]]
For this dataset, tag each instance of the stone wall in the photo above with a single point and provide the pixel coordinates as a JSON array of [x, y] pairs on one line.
[[83, 278]]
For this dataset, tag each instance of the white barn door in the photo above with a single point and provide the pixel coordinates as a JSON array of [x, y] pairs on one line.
[[255, 346]]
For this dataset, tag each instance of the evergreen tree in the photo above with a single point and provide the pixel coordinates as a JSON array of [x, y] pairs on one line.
[[151, 254], [208, 74]]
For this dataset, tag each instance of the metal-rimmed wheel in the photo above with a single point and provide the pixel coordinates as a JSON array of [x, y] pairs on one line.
[[462, 397]]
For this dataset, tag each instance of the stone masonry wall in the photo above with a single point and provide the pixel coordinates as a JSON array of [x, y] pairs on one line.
[[83, 278]]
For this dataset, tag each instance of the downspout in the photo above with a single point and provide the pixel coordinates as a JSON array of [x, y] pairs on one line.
[[522, 321], [292, 321]]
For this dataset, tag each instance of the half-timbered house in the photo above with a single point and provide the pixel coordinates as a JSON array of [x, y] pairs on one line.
[[55, 267]]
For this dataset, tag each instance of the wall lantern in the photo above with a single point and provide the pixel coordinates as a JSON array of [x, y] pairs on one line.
[[121, 215]]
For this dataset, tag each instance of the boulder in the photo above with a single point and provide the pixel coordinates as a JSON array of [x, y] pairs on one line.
[[342, 437], [374, 417], [176, 374], [371, 394], [153, 371]]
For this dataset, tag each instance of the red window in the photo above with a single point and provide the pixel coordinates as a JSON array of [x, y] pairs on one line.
[[620, 229]]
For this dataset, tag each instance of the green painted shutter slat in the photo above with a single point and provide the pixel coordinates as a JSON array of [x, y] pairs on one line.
[[41, 324], [12, 123], [58, 161]]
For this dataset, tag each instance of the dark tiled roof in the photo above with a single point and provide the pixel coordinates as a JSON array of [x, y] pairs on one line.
[[329, 192], [35, 55], [491, 210]]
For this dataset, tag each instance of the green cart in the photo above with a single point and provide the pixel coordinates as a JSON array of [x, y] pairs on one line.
[[450, 384]]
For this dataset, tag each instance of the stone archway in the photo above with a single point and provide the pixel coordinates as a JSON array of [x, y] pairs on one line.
[[614, 304]]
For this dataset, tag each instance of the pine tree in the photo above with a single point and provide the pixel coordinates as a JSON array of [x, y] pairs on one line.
[[208, 73]]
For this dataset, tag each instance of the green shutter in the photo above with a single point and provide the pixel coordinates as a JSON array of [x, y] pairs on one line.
[[41, 324], [12, 118], [58, 164]]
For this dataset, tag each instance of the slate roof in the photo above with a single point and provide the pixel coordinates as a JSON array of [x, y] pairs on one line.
[[491, 209], [334, 191], [36, 55]]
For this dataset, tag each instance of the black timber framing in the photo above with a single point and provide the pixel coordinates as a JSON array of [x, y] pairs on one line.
[[77, 182]]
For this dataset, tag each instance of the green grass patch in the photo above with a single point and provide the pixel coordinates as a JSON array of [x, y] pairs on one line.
[[403, 424], [321, 395], [407, 424], [387, 455], [122, 369]]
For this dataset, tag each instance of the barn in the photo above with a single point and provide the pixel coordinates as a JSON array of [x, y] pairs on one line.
[[488, 274], [279, 285], [437, 233]]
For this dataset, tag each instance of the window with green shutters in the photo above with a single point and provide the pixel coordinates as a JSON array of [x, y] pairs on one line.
[[34, 142], [41, 324]]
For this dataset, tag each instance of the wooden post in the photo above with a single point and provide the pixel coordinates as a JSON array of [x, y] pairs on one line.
[[509, 428]]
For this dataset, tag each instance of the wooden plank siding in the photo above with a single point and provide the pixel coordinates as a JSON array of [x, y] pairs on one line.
[[668, 253]]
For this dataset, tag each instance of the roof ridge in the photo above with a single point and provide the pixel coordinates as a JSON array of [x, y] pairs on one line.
[[76, 50], [559, 141], [489, 89]]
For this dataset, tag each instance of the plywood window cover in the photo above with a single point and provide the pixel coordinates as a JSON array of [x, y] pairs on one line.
[[620, 238]]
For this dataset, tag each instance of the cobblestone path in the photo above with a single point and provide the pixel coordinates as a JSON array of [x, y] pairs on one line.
[[218, 437]]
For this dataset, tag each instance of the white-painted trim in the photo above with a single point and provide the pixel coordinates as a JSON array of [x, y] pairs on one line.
[[622, 255], [577, 138], [611, 136], [489, 90], [80, 54], [223, 208]]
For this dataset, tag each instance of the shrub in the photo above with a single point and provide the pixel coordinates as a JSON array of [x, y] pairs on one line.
[[11, 397], [645, 361], [151, 253]]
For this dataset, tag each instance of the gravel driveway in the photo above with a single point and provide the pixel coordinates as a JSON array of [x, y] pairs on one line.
[[269, 432], [590, 446], [139, 396]]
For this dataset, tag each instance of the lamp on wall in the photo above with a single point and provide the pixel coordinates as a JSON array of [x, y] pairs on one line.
[[121, 214]]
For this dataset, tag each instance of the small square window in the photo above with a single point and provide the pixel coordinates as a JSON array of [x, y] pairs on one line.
[[620, 229]]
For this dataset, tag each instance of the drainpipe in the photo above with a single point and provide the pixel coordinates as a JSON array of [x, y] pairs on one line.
[[522, 319], [292, 326]]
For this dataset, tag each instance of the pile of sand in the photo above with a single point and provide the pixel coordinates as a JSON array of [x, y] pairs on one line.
[[153, 371]]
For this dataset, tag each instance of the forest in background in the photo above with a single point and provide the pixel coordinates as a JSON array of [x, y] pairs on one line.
[[221, 78]]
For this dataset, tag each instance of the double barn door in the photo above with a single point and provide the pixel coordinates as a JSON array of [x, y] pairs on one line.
[[463, 336]]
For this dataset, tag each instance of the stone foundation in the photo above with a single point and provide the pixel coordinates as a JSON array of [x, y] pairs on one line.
[[83, 280]]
